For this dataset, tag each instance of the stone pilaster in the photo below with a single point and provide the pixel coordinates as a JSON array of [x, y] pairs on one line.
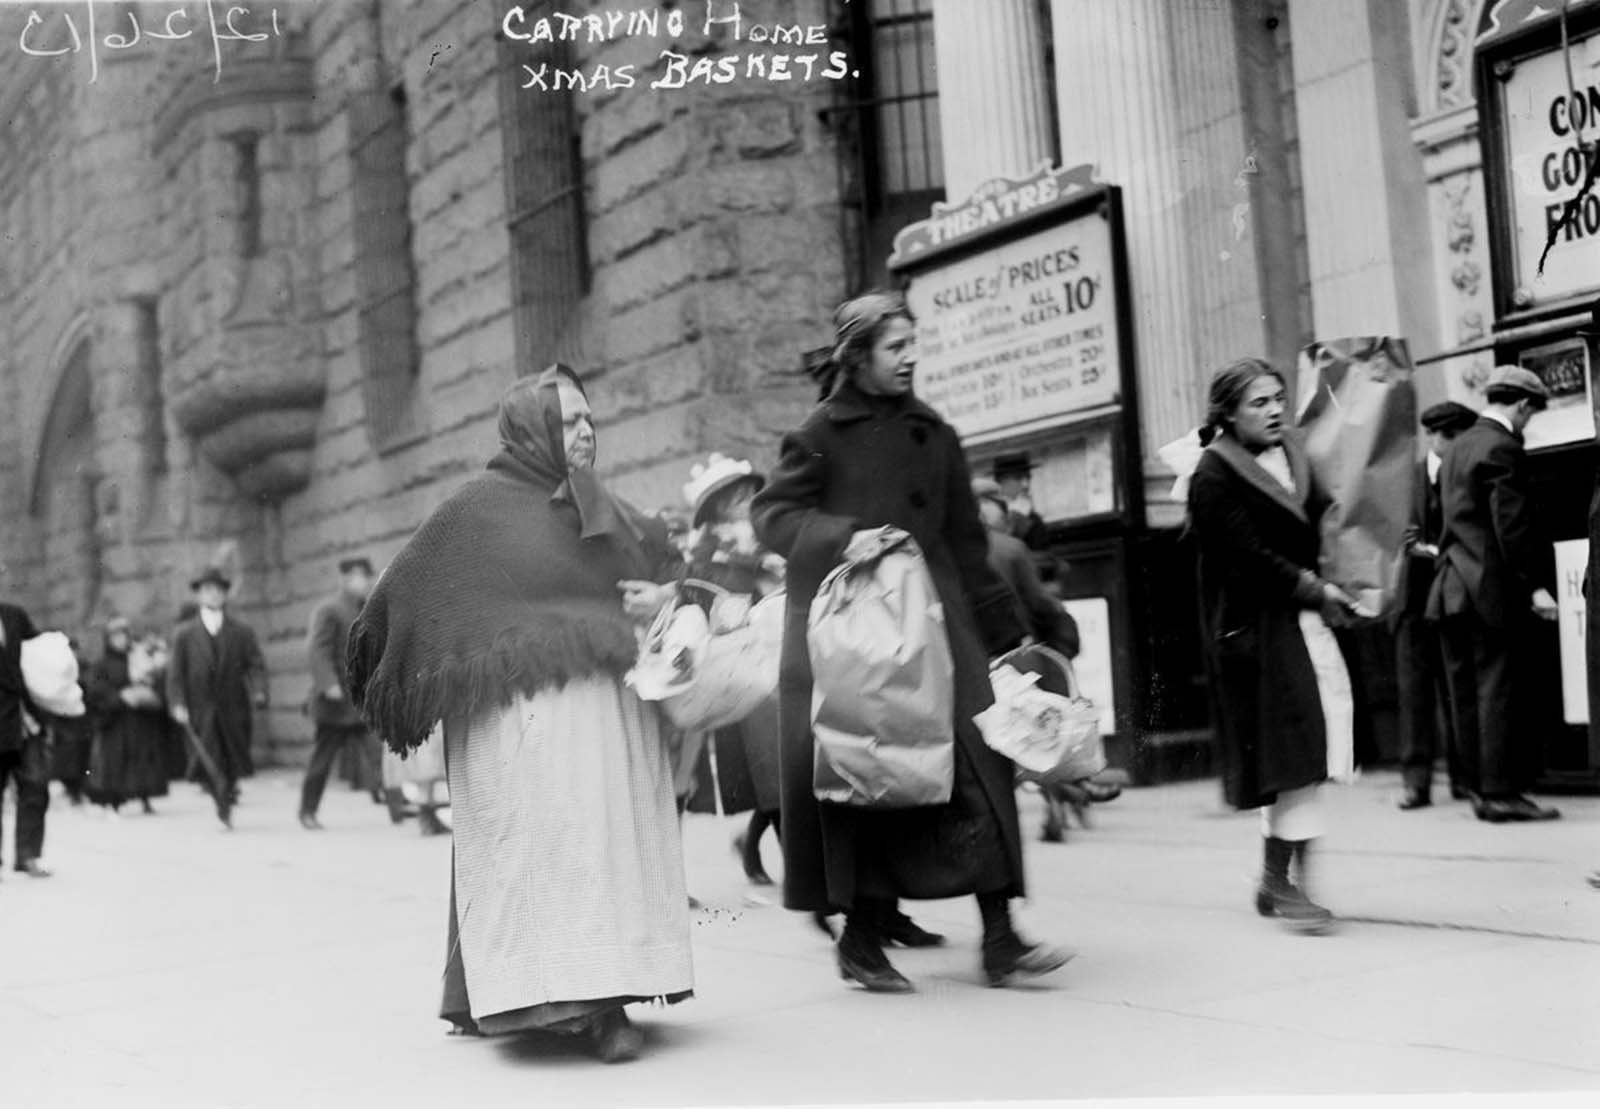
[[1116, 89], [994, 117], [1366, 204]]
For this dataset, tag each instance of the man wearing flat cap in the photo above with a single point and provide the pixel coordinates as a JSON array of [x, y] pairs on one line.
[[1494, 577], [216, 678], [339, 726], [1426, 725]]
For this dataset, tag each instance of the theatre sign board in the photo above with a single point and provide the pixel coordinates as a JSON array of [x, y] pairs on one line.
[[1017, 294]]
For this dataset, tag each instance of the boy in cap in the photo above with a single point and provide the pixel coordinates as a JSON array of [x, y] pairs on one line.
[[338, 723], [1493, 576], [216, 678], [1425, 718]]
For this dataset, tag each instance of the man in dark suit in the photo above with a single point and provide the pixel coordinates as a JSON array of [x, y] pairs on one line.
[[1425, 721], [23, 757], [1493, 576], [339, 723], [215, 679], [1010, 558]]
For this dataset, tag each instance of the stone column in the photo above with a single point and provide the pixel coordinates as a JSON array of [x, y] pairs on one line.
[[1117, 93], [994, 118], [1366, 200]]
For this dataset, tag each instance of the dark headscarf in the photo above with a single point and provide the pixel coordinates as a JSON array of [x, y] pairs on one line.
[[855, 327], [509, 586], [532, 433]]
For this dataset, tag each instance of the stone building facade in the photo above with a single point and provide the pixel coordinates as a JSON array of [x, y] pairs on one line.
[[258, 308], [261, 296]]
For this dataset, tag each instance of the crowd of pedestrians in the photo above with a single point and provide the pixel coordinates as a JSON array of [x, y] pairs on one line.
[[493, 659]]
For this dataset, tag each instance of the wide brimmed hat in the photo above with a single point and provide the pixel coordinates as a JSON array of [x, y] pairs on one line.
[[1010, 465], [211, 575], [1451, 417], [350, 565], [714, 475]]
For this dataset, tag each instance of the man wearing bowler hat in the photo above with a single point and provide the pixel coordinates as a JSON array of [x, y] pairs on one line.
[[215, 678], [1494, 577], [339, 723], [1014, 474], [1426, 724]]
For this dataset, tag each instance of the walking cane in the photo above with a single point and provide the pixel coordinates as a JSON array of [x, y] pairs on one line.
[[199, 754]]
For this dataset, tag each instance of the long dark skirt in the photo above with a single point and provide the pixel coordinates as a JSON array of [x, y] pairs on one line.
[[129, 758], [71, 741], [924, 853], [746, 772]]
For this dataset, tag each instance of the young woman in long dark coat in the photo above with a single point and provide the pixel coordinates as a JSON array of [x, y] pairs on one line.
[[128, 760], [1254, 507], [870, 455]]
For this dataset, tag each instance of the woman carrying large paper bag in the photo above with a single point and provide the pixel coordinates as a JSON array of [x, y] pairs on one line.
[[871, 454]]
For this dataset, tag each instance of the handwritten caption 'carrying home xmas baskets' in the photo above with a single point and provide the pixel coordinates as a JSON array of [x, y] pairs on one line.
[[762, 49], [770, 51]]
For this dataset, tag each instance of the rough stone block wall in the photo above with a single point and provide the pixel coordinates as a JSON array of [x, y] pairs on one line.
[[712, 230]]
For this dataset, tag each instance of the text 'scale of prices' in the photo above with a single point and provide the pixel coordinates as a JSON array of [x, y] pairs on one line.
[[1018, 338], [90, 30], [759, 50]]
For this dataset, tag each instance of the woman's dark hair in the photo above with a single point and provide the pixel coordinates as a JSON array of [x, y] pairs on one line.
[[856, 325], [1228, 387]]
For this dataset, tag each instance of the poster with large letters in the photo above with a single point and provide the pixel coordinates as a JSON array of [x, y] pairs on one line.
[[1018, 297]]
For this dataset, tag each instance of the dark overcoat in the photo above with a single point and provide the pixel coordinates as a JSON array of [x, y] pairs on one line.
[[217, 679], [1490, 555], [327, 637], [15, 626], [1424, 525], [130, 744], [1258, 557], [863, 462]]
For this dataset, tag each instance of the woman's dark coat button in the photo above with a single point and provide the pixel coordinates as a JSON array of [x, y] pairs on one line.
[[919, 435], [918, 500]]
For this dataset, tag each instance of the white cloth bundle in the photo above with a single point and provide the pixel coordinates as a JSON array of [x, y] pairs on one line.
[[50, 671]]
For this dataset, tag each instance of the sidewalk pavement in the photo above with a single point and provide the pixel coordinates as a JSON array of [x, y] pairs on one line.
[[171, 963]]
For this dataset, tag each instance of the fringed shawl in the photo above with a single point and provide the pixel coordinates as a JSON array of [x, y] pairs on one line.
[[496, 594]]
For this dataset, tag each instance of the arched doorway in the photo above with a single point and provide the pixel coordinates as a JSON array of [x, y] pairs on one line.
[[64, 504]]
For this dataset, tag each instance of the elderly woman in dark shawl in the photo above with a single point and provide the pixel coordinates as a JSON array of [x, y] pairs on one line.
[[872, 454], [510, 616]]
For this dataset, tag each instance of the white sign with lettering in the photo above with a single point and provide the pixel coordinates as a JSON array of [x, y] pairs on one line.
[[1548, 169], [1023, 336], [1572, 614]]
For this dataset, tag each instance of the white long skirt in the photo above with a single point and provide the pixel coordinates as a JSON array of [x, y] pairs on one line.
[[568, 861], [1298, 814]]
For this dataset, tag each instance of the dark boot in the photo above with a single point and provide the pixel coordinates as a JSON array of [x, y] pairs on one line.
[[1007, 955], [429, 823], [900, 929], [615, 1038], [749, 847], [1279, 897], [860, 952]]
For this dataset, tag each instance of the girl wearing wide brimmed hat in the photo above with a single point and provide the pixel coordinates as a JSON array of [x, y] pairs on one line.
[[725, 556]]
